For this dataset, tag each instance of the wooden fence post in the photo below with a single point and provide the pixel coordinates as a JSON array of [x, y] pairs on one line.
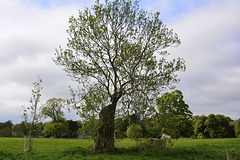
[[229, 155]]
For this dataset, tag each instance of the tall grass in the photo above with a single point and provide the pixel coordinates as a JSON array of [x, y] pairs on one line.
[[71, 149]]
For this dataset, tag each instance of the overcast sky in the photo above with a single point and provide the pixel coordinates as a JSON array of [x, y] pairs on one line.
[[31, 30]]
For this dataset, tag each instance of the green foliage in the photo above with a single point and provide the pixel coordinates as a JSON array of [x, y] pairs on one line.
[[120, 128], [56, 129], [185, 126], [20, 130], [144, 145], [173, 103], [53, 109], [213, 126], [237, 127], [153, 126], [134, 131], [226, 128], [31, 114], [121, 124], [6, 132], [89, 127], [6, 129], [199, 126], [74, 127], [174, 115]]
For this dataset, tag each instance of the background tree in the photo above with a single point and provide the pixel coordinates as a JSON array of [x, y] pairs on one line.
[[74, 127], [199, 126], [174, 114], [237, 127], [120, 127], [213, 126], [89, 127], [121, 124], [226, 129], [31, 114], [6, 129], [89, 111], [115, 51], [153, 126], [185, 126], [56, 129], [16, 132], [39, 129], [134, 131], [53, 109]]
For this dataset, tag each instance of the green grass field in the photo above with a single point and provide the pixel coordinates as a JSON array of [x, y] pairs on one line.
[[77, 149]]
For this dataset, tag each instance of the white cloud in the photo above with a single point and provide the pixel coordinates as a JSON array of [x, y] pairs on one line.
[[28, 31], [210, 46], [30, 36]]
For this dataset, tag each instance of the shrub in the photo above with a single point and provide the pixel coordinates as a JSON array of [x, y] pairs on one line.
[[56, 129], [134, 131]]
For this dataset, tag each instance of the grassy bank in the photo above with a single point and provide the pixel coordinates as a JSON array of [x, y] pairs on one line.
[[71, 149]]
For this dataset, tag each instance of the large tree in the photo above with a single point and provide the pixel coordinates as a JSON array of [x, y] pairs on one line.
[[116, 53]]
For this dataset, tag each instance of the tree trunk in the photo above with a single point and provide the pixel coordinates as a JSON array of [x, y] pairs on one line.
[[29, 146], [105, 135]]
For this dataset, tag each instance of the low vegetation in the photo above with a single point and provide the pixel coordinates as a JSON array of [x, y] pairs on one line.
[[80, 149]]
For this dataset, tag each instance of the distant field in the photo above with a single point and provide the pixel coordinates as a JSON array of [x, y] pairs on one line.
[[77, 149]]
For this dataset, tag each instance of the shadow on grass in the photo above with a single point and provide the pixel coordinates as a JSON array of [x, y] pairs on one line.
[[186, 154], [85, 152], [79, 151], [167, 154]]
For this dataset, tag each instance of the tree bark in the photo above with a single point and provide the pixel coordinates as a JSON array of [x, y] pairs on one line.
[[105, 135]]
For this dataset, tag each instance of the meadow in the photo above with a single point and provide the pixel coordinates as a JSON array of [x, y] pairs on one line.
[[77, 149]]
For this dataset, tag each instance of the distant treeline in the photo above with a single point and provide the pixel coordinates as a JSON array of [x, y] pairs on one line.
[[215, 126], [70, 130], [211, 126]]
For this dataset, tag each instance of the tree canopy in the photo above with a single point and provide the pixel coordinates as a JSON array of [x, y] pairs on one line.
[[56, 129], [113, 50], [174, 114], [214, 126], [53, 109]]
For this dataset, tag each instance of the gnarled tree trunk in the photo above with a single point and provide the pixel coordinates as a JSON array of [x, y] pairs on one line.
[[105, 136]]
